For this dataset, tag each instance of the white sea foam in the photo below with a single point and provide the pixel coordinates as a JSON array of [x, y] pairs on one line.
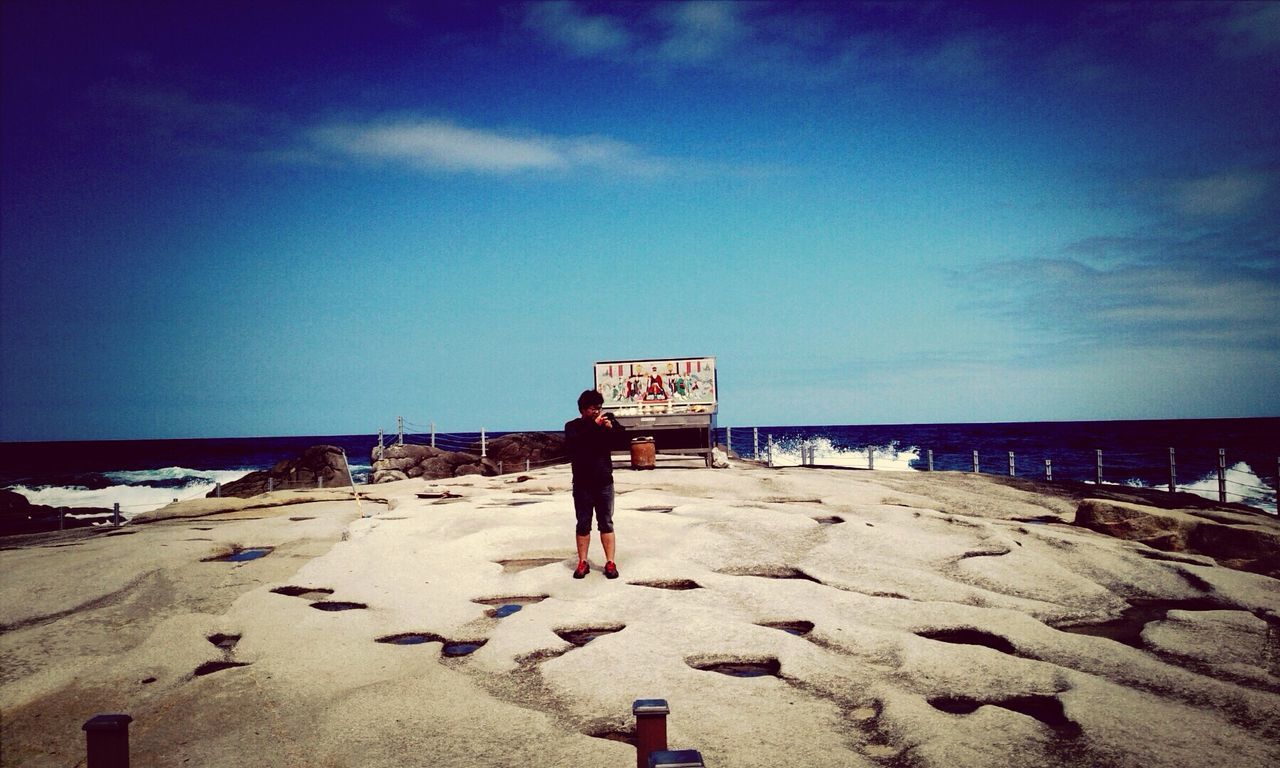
[[819, 450], [1242, 486], [132, 498]]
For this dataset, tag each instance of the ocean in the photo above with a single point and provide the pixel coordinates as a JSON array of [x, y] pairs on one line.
[[141, 475]]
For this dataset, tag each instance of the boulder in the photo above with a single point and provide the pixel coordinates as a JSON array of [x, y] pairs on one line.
[[508, 453], [315, 464], [19, 515], [1241, 540]]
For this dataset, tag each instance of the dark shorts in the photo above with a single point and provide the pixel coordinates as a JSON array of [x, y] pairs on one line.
[[597, 500]]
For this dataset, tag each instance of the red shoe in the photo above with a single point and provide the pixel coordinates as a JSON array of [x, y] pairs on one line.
[[583, 569], [610, 570]]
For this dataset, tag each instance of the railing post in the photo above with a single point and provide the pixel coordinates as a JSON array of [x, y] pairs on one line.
[[871, 457], [1048, 470], [115, 516], [975, 462], [1222, 475], [755, 442], [769, 446], [433, 434], [930, 452], [676, 758], [1173, 473], [399, 430], [728, 439], [217, 490], [651, 728], [1012, 471], [271, 484], [526, 465], [499, 467], [484, 444], [319, 481], [107, 741], [381, 448], [1099, 473]]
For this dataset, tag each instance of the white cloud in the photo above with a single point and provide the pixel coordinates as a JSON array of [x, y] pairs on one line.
[[580, 33], [428, 144], [702, 30], [1222, 194]]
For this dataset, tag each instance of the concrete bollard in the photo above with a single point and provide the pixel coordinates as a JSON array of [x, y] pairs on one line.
[[651, 728], [676, 758], [107, 741]]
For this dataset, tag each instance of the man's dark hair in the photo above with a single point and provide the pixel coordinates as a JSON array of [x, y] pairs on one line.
[[589, 397]]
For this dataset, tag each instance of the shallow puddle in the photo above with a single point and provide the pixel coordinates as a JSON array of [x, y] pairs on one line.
[[240, 555], [969, 636], [209, 667], [797, 628], [1128, 628], [337, 605], [461, 648], [760, 668], [677, 584], [412, 638], [524, 564], [307, 592], [581, 637], [225, 642], [508, 605], [1046, 709]]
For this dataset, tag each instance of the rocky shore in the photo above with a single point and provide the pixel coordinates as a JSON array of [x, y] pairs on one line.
[[791, 616]]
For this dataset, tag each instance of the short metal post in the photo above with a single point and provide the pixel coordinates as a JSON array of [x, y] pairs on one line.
[[1099, 452], [651, 728], [769, 444], [975, 462], [1048, 470], [217, 490], [1173, 473], [319, 481], [930, 452], [115, 516], [1012, 471], [499, 467], [380, 444], [271, 484], [107, 741], [728, 439], [399, 430], [1222, 475], [871, 457], [676, 758], [526, 465], [484, 444], [755, 442], [433, 434]]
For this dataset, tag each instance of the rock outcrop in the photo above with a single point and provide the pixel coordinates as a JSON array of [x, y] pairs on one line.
[[19, 515], [315, 464], [505, 454], [1249, 542]]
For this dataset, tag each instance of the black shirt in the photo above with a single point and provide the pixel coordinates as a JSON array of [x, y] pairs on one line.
[[588, 445]]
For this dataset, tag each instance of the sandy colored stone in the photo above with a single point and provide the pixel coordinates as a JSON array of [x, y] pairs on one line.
[[933, 604]]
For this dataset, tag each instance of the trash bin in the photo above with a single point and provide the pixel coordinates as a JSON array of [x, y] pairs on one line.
[[643, 453]]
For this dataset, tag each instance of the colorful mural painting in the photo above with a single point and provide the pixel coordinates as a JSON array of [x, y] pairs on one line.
[[684, 385]]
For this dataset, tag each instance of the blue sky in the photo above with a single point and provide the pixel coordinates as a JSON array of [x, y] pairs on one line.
[[272, 218]]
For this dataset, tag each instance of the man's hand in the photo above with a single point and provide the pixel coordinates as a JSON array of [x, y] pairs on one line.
[[604, 421]]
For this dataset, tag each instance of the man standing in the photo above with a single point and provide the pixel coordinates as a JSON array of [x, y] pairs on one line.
[[588, 441]]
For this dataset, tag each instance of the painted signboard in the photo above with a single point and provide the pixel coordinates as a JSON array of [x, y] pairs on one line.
[[670, 385]]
